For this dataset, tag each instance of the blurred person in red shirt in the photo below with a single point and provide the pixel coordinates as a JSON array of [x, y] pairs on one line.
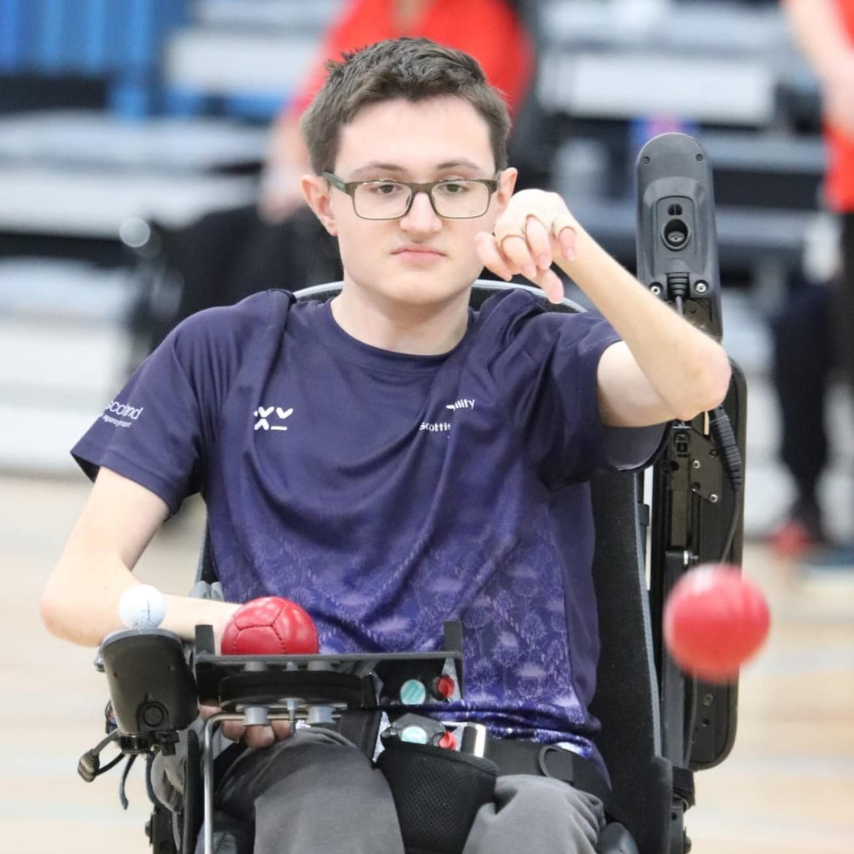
[[824, 30], [807, 344], [489, 30]]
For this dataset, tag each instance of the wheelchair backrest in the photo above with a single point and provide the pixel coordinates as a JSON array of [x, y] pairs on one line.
[[626, 702]]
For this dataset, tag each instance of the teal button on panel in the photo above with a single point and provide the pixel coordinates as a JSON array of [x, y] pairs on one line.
[[412, 693], [414, 735]]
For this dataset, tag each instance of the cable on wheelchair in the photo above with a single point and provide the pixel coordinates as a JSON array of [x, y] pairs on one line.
[[123, 782], [89, 764], [721, 430]]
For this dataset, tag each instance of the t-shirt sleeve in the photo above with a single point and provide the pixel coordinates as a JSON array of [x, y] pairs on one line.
[[158, 430], [546, 369]]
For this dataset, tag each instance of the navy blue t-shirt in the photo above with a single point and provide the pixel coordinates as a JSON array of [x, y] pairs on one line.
[[387, 493]]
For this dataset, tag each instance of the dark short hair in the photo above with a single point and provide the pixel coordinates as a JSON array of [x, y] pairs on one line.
[[412, 68]]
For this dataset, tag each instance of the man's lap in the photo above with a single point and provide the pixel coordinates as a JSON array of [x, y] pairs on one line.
[[310, 793], [538, 815]]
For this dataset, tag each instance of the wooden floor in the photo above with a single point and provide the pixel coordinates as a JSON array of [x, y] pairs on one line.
[[787, 787]]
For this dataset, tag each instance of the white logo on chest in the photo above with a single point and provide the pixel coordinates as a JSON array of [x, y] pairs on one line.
[[444, 426], [264, 414]]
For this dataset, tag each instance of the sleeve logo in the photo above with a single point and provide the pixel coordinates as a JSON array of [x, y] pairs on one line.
[[115, 410]]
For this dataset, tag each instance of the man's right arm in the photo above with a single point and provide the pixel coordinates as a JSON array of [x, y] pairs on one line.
[[81, 598], [80, 602]]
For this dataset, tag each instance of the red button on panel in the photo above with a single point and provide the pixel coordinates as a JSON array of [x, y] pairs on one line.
[[448, 741], [445, 686]]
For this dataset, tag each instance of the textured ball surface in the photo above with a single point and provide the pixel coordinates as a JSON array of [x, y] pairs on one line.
[[142, 607], [714, 621], [270, 625]]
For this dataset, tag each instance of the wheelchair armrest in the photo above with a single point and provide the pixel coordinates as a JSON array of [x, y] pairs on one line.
[[152, 688]]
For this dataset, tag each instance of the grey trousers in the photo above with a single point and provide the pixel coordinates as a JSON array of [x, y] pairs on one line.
[[312, 794]]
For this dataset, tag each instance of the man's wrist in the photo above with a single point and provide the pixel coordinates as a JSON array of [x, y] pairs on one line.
[[587, 263], [224, 615], [184, 613]]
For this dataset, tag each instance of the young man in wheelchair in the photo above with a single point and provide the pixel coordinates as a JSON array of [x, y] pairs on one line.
[[388, 459]]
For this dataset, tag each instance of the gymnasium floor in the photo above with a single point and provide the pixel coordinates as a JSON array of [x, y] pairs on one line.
[[787, 787]]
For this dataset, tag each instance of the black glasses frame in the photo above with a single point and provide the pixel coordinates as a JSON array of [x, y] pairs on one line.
[[350, 187]]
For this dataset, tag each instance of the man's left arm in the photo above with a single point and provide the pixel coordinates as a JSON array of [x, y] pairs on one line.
[[664, 368]]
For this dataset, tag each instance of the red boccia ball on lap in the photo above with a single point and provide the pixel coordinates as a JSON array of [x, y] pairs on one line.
[[714, 621], [270, 625]]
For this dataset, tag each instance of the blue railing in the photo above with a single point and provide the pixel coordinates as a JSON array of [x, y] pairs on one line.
[[120, 41]]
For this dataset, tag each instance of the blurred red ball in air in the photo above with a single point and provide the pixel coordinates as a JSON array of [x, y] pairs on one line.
[[714, 621], [270, 625]]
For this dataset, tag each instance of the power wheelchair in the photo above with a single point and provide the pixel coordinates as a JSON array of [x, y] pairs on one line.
[[658, 726]]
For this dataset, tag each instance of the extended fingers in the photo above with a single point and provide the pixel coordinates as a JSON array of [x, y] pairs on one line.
[[257, 736], [503, 265], [566, 241], [551, 284], [264, 736], [208, 711], [490, 254], [539, 243], [281, 730], [518, 253], [528, 249], [532, 255], [233, 730]]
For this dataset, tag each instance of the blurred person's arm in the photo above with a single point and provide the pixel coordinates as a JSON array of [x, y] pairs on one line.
[[80, 602], [286, 162], [287, 157], [819, 30]]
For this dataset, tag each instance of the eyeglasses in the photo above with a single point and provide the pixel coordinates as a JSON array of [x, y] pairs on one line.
[[451, 198]]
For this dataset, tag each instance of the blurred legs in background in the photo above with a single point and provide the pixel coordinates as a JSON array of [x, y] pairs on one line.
[[813, 335], [802, 363]]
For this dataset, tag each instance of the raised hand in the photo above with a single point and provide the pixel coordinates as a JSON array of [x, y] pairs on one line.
[[535, 230]]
